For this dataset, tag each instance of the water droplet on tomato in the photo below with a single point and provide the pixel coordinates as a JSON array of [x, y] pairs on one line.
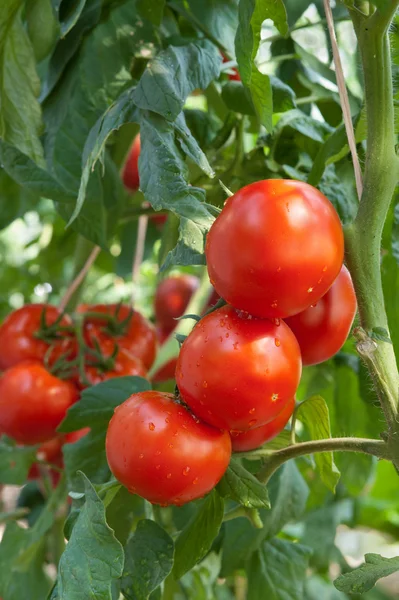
[[186, 470], [158, 467], [195, 481], [324, 269], [252, 422], [157, 453], [274, 304], [170, 445], [278, 269], [274, 397], [251, 411], [310, 290], [151, 426], [167, 420], [277, 321], [222, 322], [141, 455], [277, 342], [227, 335], [205, 384], [169, 475]]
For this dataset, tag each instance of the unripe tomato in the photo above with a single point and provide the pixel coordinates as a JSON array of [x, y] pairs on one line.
[[33, 402], [138, 335], [171, 299], [242, 441], [18, 334], [158, 450], [275, 249], [130, 173], [321, 329], [124, 364], [238, 372]]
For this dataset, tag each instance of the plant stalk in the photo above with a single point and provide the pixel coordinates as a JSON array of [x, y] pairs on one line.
[[363, 236]]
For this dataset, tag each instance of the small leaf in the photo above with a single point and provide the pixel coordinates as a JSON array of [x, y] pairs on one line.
[[149, 560], [242, 487], [380, 334], [365, 577], [173, 74], [152, 11], [197, 537], [93, 558], [15, 462], [315, 415], [278, 570]]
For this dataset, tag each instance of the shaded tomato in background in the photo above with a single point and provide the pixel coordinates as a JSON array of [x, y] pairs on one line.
[[322, 329], [19, 331], [158, 450], [275, 249], [242, 441], [171, 299], [130, 172], [33, 402], [238, 372]]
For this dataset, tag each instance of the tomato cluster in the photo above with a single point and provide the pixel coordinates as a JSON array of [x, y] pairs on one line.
[[45, 366], [275, 254]]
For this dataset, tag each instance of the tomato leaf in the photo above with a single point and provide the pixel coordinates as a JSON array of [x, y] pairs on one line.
[[15, 462], [240, 485], [278, 570], [123, 510], [173, 74], [152, 11], [149, 560], [365, 577], [315, 415], [70, 15], [21, 120], [97, 403], [197, 537], [93, 558]]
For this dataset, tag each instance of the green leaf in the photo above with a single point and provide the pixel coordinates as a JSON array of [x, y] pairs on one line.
[[218, 18], [149, 560], [365, 577], [71, 11], [152, 11], [21, 121], [395, 234], [315, 415], [15, 462], [197, 537], [288, 494], [93, 558], [123, 511], [278, 570], [283, 95], [240, 485], [42, 27], [173, 74], [97, 403]]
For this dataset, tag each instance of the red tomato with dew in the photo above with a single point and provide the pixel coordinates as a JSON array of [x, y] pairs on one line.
[[242, 441], [124, 364], [171, 299], [238, 372], [321, 329], [130, 173], [275, 249], [138, 336], [18, 334], [159, 450], [33, 402]]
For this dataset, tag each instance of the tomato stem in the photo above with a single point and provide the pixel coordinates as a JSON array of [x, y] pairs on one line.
[[251, 514], [274, 459], [363, 236]]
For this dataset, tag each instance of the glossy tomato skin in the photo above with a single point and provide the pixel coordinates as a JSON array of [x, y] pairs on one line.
[[171, 299], [243, 441], [321, 330], [275, 249], [158, 450], [124, 364], [17, 334], [139, 337], [238, 372], [33, 402], [130, 173]]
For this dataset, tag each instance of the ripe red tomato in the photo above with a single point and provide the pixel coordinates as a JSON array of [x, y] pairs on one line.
[[130, 173], [33, 402], [124, 364], [242, 441], [171, 299], [138, 337], [321, 329], [158, 450], [275, 249], [18, 341], [238, 372]]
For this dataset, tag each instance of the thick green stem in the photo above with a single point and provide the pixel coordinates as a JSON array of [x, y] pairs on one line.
[[275, 459], [363, 236]]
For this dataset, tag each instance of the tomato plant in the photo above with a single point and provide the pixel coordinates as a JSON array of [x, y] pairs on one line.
[[199, 332]]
